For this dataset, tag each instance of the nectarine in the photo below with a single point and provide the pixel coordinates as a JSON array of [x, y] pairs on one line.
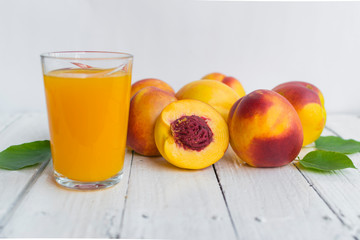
[[145, 107], [308, 102], [265, 130], [216, 94]]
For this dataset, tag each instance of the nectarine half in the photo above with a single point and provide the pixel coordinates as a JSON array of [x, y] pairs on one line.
[[191, 134]]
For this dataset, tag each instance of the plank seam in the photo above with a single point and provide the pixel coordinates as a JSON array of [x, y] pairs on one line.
[[330, 130], [356, 231], [13, 207], [226, 204], [317, 191], [126, 197], [6, 215], [10, 123]]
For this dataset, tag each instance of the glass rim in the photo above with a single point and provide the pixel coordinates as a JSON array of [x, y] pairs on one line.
[[57, 55]]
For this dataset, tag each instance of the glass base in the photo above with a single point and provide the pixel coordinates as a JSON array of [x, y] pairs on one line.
[[73, 184]]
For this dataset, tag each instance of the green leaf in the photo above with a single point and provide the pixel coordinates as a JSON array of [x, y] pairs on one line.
[[326, 160], [24, 155], [337, 144]]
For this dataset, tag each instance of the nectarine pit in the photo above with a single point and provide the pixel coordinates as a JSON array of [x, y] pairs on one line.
[[191, 132]]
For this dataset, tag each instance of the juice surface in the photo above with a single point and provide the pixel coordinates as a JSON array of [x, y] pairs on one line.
[[88, 115]]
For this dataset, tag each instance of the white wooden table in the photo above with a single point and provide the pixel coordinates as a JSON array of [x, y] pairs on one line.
[[156, 200]]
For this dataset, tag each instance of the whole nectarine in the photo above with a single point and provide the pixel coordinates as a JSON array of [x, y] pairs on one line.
[[308, 102], [265, 130], [145, 107], [216, 94]]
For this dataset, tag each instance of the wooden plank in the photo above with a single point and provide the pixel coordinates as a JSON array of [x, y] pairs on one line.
[[17, 129], [340, 189], [275, 203], [171, 203], [7, 119], [52, 211], [20, 128]]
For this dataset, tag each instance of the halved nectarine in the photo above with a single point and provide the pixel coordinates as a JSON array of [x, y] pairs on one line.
[[191, 134]]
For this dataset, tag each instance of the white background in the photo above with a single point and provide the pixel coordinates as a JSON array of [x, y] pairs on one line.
[[260, 43]]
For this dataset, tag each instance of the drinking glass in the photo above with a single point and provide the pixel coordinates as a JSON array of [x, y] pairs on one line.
[[87, 98]]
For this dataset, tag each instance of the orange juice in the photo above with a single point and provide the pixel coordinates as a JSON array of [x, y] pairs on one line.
[[88, 115]]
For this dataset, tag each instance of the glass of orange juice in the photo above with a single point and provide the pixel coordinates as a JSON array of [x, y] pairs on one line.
[[87, 98]]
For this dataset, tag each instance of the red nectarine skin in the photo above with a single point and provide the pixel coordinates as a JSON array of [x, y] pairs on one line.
[[296, 96], [305, 85], [232, 111], [234, 84], [255, 104], [263, 148], [227, 80], [191, 132]]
